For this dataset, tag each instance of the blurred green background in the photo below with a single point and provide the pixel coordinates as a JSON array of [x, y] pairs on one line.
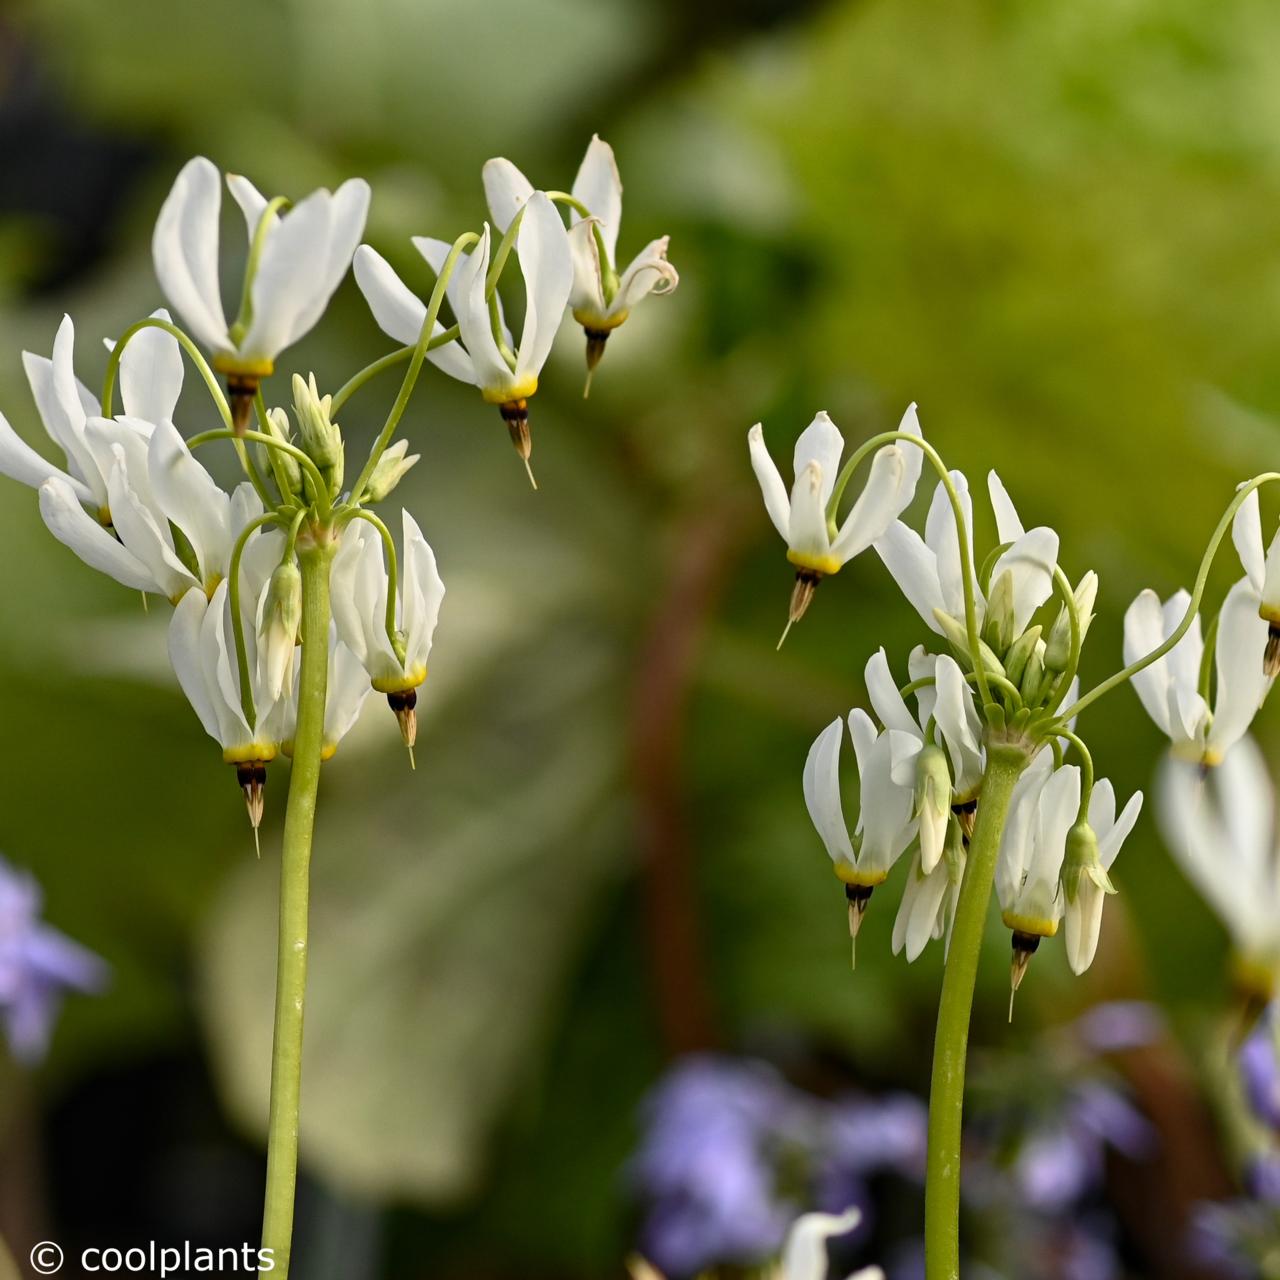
[[1053, 226]]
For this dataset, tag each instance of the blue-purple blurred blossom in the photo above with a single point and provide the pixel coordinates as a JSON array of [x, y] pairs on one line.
[[1260, 1072], [1233, 1237], [1120, 1025], [37, 965]]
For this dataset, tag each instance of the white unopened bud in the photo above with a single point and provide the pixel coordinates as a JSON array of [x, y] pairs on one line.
[[1058, 651], [932, 803], [278, 624], [1000, 621], [320, 436], [391, 469]]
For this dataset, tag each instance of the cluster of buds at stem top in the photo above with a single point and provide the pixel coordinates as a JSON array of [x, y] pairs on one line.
[[805, 517]]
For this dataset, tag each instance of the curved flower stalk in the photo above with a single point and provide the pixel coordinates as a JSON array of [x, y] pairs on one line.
[[150, 383], [1221, 829], [1263, 571], [1173, 690], [804, 1252], [392, 644], [815, 545], [296, 262], [603, 296], [505, 372], [38, 965]]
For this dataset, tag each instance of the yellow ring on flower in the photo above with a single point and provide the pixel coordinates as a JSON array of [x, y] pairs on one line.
[[859, 879], [825, 565], [1036, 925], [401, 684], [234, 365]]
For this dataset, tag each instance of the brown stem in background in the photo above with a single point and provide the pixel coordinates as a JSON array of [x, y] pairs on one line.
[[706, 544], [23, 1212]]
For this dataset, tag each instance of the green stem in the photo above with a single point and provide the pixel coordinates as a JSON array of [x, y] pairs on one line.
[[237, 618], [291, 956], [393, 576], [1086, 767], [962, 533], [1062, 584], [415, 364], [194, 352], [1197, 593], [946, 1095]]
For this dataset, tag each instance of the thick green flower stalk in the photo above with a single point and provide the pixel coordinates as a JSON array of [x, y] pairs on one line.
[[293, 599], [984, 783]]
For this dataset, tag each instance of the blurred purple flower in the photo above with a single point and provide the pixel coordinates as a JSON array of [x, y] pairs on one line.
[[37, 965], [1230, 1237], [1260, 1071], [715, 1128], [1119, 1025]]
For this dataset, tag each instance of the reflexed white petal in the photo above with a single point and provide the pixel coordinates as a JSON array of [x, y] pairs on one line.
[[941, 536], [774, 490], [1031, 561], [185, 251], [1008, 524], [546, 263], [189, 497], [151, 373], [820, 442], [184, 655], [877, 506], [422, 594], [348, 688], [1056, 812], [804, 1253], [144, 537], [288, 277], [822, 792], [491, 370], [1246, 533], [599, 187], [922, 900], [886, 701], [807, 532], [506, 189], [348, 209], [885, 807], [67, 521], [397, 310], [914, 567], [1185, 657], [1082, 925], [1109, 844], [1018, 840], [587, 294], [1271, 575], [1143, 632], [19, 461], [1241, 682], [648, 272]]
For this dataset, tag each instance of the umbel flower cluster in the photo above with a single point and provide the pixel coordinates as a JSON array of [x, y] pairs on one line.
[[131, 498], [969, 764]]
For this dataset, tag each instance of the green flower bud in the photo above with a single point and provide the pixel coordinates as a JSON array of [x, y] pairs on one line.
[[320, 436], [1083, 859], [955, 851], [1059, 645], [932, 803], [958, 638], [1033, 675], [391, 469], [1000, 620], [1015, 661], [275, 462], [283, 605]]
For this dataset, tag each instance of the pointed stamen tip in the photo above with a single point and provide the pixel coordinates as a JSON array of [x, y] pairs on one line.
[[404, 704], [257, 843], [529, 472], [1271, 654], [413, 763], [586, 386], [785, 632]]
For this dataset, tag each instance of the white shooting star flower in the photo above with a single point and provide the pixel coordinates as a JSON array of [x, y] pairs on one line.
[[886, 825], [297, 258], [1263, 570], [603, 296], [814, 545], [359, 589], [348, 687], [505, 372], [1221, 829], [1082, 914], [203, 653], [1170, 687]]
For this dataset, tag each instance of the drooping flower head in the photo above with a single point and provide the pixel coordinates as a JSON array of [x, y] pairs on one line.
[[486, 355], [395, 665], [297, 259], [603, 296], [815, 545], [1170, 688]]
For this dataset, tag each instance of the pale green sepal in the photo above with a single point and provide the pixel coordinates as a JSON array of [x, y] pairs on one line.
[[1083, 859], [391, 469], [1033, 674], [1015, 661], [958, 638], [1000, 622]]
